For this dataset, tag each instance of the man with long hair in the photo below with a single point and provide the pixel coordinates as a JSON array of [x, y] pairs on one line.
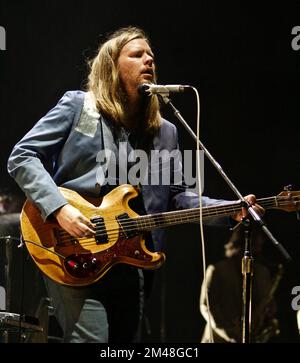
[[63, 148]]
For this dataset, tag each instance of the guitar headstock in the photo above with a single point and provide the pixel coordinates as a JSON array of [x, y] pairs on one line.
[[288, 200]]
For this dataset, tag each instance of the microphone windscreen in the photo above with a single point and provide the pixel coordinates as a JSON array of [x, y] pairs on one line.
[[142, 88]]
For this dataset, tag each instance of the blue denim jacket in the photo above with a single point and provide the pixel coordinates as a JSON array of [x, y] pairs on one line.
[[61, 150]]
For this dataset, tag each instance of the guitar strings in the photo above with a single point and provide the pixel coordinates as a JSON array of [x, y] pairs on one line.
[[145, 220], [135, 224], [138, 222]]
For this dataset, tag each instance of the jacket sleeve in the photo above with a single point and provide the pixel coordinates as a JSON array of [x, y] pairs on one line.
[[32, 160]]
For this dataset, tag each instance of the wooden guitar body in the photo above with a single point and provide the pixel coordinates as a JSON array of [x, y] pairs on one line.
[[82, 261]]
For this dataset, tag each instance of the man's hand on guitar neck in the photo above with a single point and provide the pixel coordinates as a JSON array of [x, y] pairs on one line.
[[243, 213], [74, 222]]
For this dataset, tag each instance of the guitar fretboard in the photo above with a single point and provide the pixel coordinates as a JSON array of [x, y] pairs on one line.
[[165, 219]]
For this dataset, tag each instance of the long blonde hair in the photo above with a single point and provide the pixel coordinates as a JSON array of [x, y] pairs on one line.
[[105, 85]]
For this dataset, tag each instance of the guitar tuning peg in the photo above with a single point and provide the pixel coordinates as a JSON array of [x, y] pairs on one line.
[[288, 188]]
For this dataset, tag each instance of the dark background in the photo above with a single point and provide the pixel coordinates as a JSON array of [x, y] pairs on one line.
[[240, 59]]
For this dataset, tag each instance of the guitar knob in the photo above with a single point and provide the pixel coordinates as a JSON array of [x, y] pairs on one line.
[[73, 264], [85, 265]]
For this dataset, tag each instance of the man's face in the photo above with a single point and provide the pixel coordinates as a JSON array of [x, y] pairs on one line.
[[136, 65]]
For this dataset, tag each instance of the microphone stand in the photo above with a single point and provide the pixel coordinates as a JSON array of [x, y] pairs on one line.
[[247, 262], [247, 272]]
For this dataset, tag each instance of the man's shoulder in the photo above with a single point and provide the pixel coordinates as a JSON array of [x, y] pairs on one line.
[[167, 129], [165, 124], [73, 99], [224, 264], [166, 135], [75, 94]]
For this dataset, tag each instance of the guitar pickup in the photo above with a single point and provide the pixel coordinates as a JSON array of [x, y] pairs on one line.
[[101, 233], [128, 225]]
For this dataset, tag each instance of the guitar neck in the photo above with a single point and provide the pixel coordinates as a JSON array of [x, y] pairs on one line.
[[159, 220]]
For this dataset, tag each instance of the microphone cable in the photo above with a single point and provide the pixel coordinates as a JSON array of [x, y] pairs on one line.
[[199, 183]]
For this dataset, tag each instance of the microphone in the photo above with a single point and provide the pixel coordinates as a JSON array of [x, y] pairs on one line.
[[153, 89]]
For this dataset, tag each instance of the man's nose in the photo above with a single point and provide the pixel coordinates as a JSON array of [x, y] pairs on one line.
[[148, 59]]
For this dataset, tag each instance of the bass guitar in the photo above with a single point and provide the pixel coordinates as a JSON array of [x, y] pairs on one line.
[[120, 233]]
